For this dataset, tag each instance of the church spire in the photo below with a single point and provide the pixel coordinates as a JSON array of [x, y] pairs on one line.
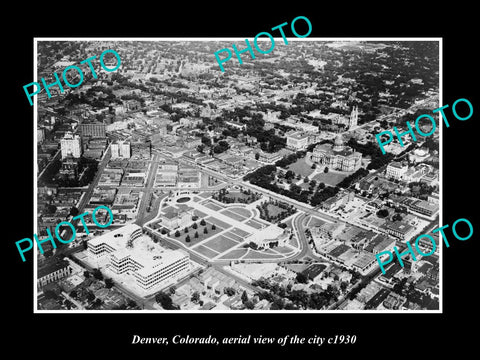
[[353, 118]]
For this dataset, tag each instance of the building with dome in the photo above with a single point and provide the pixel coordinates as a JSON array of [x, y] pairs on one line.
[[337, 156], [419, 155]]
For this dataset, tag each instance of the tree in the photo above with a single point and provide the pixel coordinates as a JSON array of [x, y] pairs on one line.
[[213, 227], [187, 239], [172, 290], [229, 291], [249, 305], [86, 274], [185, 230], [74, 211], [73, 294], [321, 186], [257, 156], [202, 222], [97, 274], [289, 175], [195, 297], [50, 208], [314, 166], [306, 179], [301, 278], [108, 283], [196, 235], [205, 230], [50, 294], [325, 170], [244, 296], [165, 301], [295, 188], [397, 217], [194, 225], [90, 296], [177, 233], [382, 213], [48, 253], [131, 303]]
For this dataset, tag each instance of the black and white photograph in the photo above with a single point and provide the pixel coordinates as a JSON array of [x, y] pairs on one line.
[[262, 187], [217, 181]]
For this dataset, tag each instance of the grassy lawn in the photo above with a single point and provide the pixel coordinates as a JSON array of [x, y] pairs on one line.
[[270, 212], [330, 178], [233, 215], [274, 210], [220, 244], [300, 167], [191, 233]]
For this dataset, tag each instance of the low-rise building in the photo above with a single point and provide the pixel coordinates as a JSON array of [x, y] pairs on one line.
[[364, 262], [173, 218], [52, 270], [297, 140], [396, 170], [327, 231], [398, 229], [423, 207]]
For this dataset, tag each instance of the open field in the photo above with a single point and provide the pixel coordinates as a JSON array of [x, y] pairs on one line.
[[331, 178], [300, 167], [220, 243], [206, 251]]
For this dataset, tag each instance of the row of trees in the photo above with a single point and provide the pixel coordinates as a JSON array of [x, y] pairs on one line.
[[226, 197], [350, 179], [283, 297], [372, 150]]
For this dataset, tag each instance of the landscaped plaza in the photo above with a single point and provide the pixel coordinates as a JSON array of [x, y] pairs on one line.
[[218, 231]]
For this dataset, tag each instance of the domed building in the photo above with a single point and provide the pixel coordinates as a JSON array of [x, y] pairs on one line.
[[337, 156], [419, 155]]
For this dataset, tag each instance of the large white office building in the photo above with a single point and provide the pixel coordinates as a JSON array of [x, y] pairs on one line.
[[149, 268], [71, 145], [121, 150]]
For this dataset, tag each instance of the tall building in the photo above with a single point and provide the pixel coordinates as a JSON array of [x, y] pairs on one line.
[[121, 150], [40, 135], [353, 118], [71, 145], [95, 129]]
